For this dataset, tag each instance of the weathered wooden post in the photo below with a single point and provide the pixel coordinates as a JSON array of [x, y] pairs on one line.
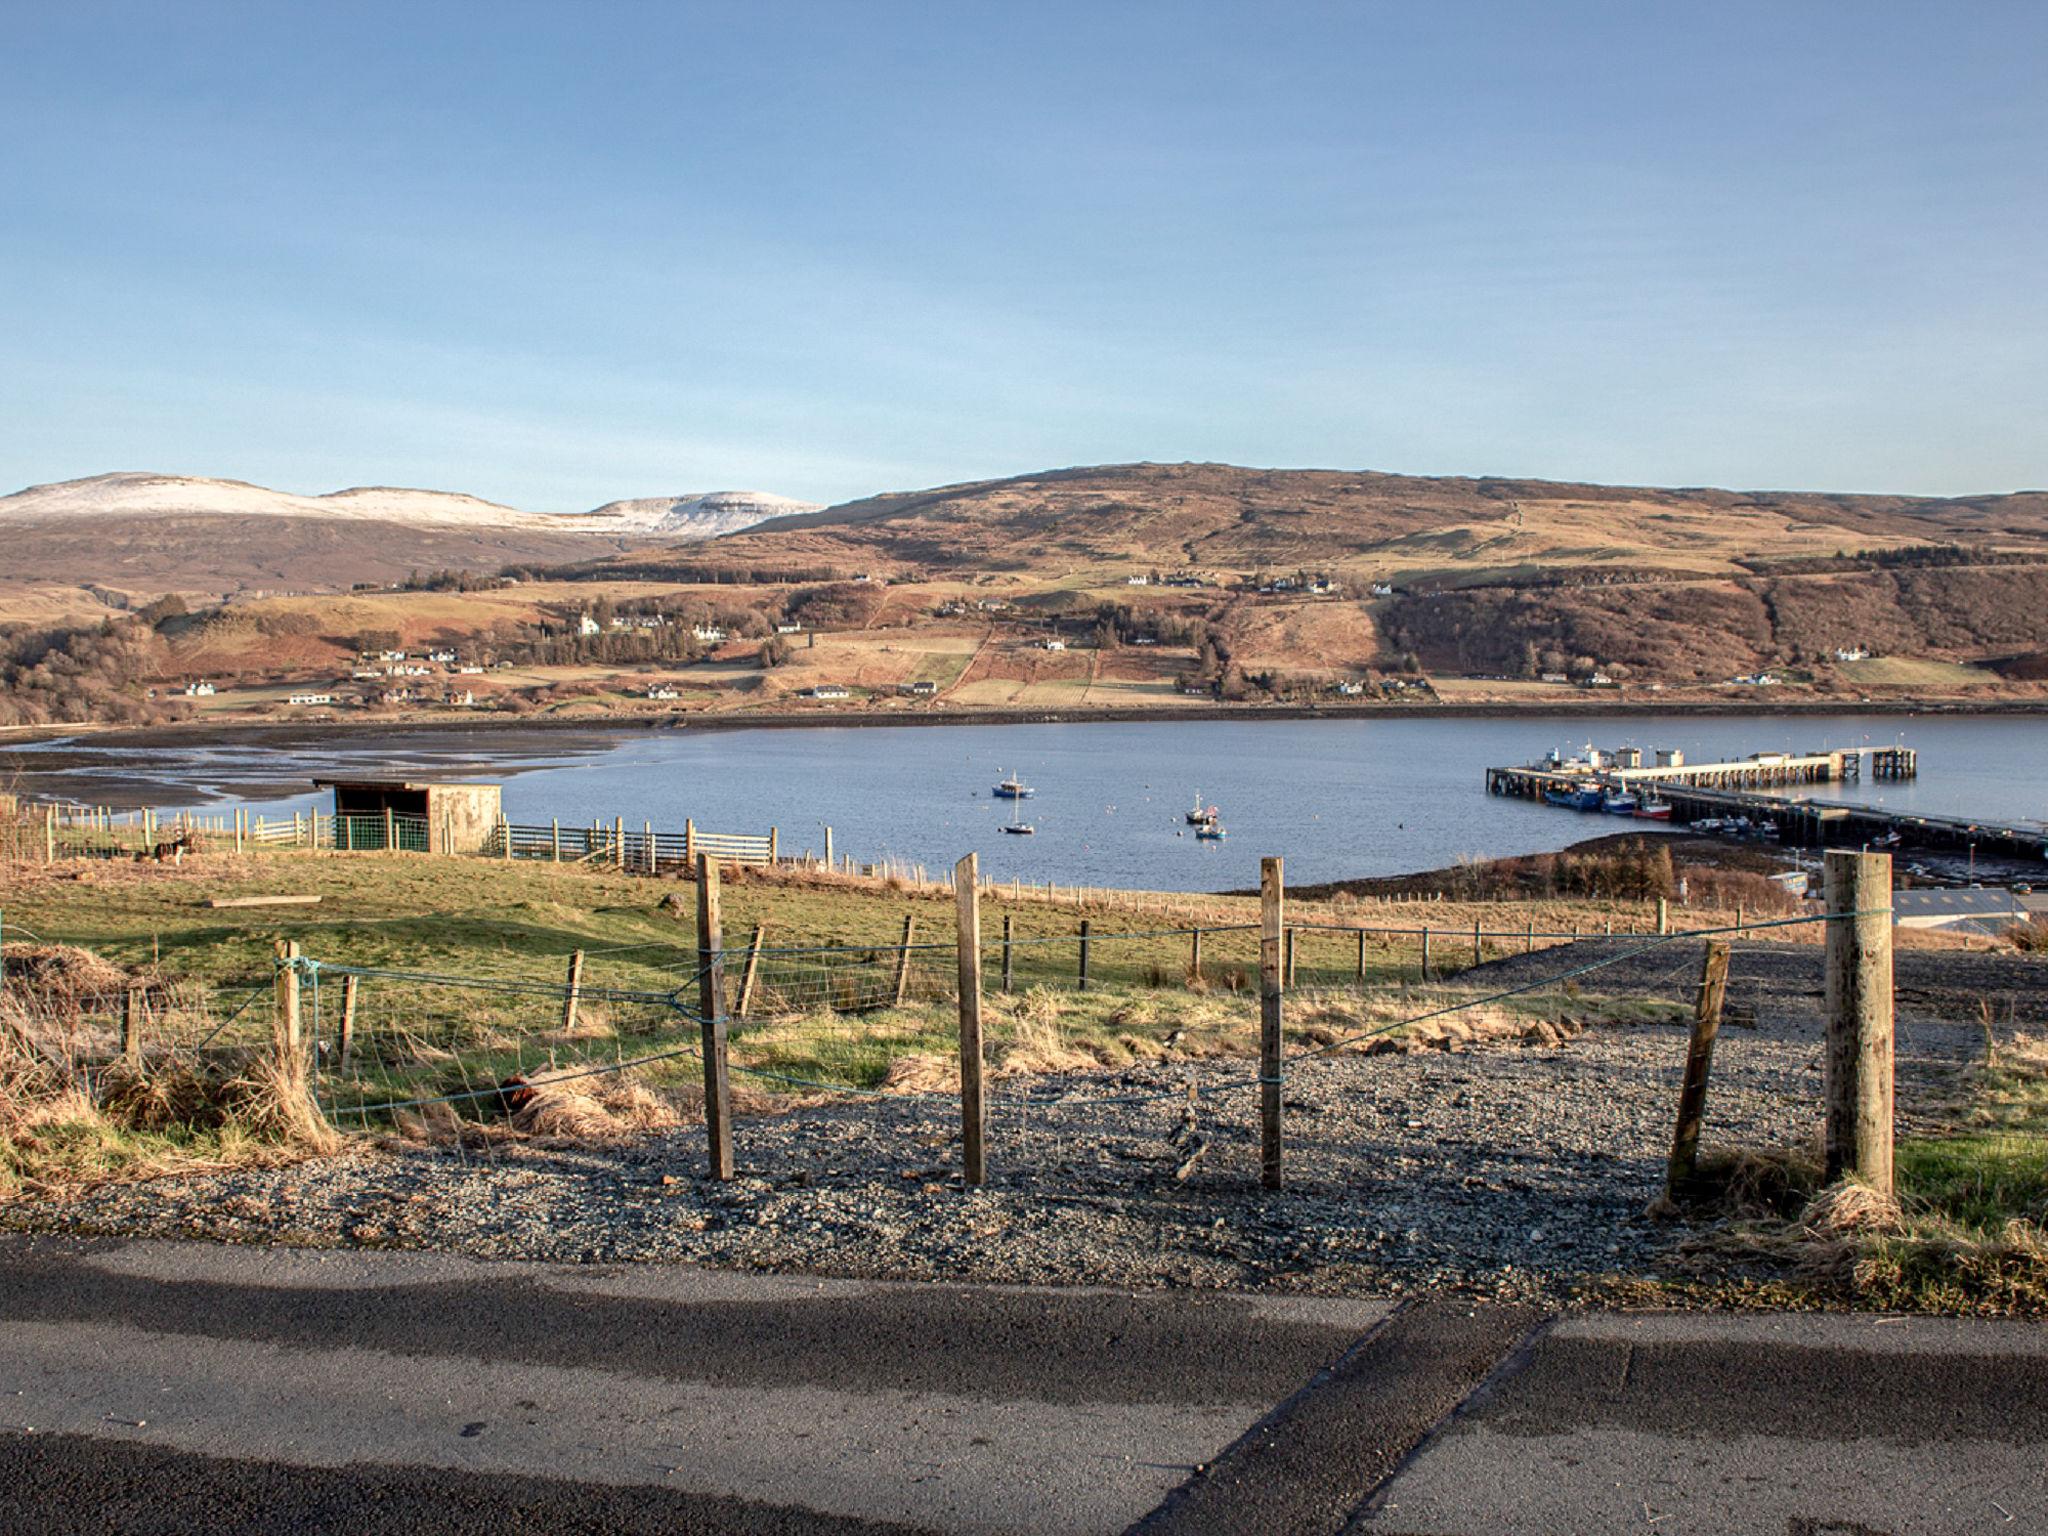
[[1663, 915], [573, 997], [555, 837], [1425, 954], [345, 1044], [753, 967], [967, 907], [390, 840], [1478, 952], [774, 846], [131, 1027], [711, 1013], [828, 850], [1083, 976], [1361, 957], [903, 959], [285, 995], [1272, 946], [1195, 954], [1292, 935], [1699, 1062], [241, 820], [1008, 975], [690, 842], [618, 842], [1858, 1138], [50, 836], [1529, 937]]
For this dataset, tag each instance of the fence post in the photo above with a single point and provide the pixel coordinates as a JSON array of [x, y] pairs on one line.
[[1195, 954], [50, 837], [1008, 974], [828, 850], [1361, 957], [1272, 944], [390, 838], [345, 1046], [967, 903], [690, 842], [1292, 935], [903, 959], [1083, 976], [131, 1027], [747, 976], [711, 1010], [285, 1018], [1859, 1002], [505, 831], [1663, 916], [1425, 954], [241, 819], [618, 842], [574, 996], [647, 845], [1699, 1061], [555, 837], [774, 843], [1478, 953]]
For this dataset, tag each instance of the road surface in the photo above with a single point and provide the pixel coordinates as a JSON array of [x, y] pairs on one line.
[[160, 1387]]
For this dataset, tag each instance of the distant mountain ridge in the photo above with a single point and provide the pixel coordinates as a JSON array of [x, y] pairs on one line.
[[129, 494]]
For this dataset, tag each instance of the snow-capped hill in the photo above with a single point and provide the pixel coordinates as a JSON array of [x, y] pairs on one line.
[[702, 516], [143, 495], [127, 495]]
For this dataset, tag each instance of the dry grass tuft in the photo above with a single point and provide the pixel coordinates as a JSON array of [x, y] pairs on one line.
[[922, 1072]]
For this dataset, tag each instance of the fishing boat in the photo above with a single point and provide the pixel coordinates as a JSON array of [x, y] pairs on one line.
[[1017, 826], [1210, 832], [1620, 803], [1654, 809], [1014, 788], [1198, 813]]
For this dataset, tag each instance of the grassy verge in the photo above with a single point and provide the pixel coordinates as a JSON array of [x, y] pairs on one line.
[[1966, 1231]]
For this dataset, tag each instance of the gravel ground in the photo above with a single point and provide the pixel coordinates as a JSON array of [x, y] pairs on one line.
[[1505, 1169]]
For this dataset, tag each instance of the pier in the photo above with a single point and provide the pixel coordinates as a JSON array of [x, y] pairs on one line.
[[1701, 791]]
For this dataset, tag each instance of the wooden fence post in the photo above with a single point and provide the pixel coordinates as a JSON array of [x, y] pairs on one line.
[[903, 959], [746, 1000], [345, 1045], [1663, 915], [1699, 1061], [1292, 935], [574, 996], [555, 837], [711, 1010], [1195, 954], [618, 842], [1425, 954], [828, 850], [1008, 975], [1083, 975], [285, 1018], [241, 819], [690, 842], [1272, 947], [1859, 1001], [1478, 951], [774, 844], [967, 904], [131, 1027], [505, 831], [1529, 938], [647, 846], [1361, 957], [390, 832]]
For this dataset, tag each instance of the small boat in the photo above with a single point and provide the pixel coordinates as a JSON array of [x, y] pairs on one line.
[[1197, 813], [1621, 803], [1210, 832], [1017, 826], [1014, 788], [1890, 839], [1654, 810]]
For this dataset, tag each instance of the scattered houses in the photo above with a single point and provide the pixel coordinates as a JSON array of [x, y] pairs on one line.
[[199, 690]]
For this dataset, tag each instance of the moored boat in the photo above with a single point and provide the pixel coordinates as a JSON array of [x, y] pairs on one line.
[[1014, 788], [1654, 810], [1620, 803]]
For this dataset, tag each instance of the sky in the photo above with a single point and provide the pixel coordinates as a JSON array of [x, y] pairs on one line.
[[558, 254]]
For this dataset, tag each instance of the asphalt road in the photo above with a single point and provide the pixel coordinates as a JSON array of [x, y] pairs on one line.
[[160, 1387]]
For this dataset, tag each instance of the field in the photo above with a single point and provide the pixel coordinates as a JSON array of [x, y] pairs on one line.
[[1907, 672]]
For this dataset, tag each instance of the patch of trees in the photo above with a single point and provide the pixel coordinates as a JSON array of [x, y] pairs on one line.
[[66, 676], [445, 580]]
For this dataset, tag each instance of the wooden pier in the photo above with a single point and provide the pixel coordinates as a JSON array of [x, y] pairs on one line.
[[1700, 791]]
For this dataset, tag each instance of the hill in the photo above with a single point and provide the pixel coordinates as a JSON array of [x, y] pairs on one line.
[[1456, 529], [134, 536]]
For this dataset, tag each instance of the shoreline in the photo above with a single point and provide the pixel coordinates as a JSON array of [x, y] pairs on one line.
[[185, 730]]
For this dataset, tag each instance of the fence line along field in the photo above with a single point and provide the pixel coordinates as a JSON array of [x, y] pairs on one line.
[[167, 1014]]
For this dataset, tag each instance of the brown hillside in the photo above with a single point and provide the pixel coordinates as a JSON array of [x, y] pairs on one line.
[[1220, 517]]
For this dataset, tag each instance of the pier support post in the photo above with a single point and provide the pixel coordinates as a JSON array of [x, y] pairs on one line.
[[1859, 1082], [711, 1013], [1272, 946], [967, 904]]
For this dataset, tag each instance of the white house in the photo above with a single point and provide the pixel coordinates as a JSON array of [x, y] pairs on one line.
[[710, 634], [310, 698], [662, 691], [797, 629], [586, 625], [1053, 644], [829, 691], [1852, 653], [1137, 581], [469, 671], [446, 658], [1382, 589], [198, 690]]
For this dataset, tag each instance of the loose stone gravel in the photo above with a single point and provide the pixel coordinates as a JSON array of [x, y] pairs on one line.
[[1504, 1169]]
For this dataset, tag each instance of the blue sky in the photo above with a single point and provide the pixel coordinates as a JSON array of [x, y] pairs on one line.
[[554, 254]]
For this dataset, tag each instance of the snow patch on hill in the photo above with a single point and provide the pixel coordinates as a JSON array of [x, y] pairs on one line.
[[699, 516]]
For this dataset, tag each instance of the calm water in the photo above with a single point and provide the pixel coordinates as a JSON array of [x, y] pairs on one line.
[[1338, 798]]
